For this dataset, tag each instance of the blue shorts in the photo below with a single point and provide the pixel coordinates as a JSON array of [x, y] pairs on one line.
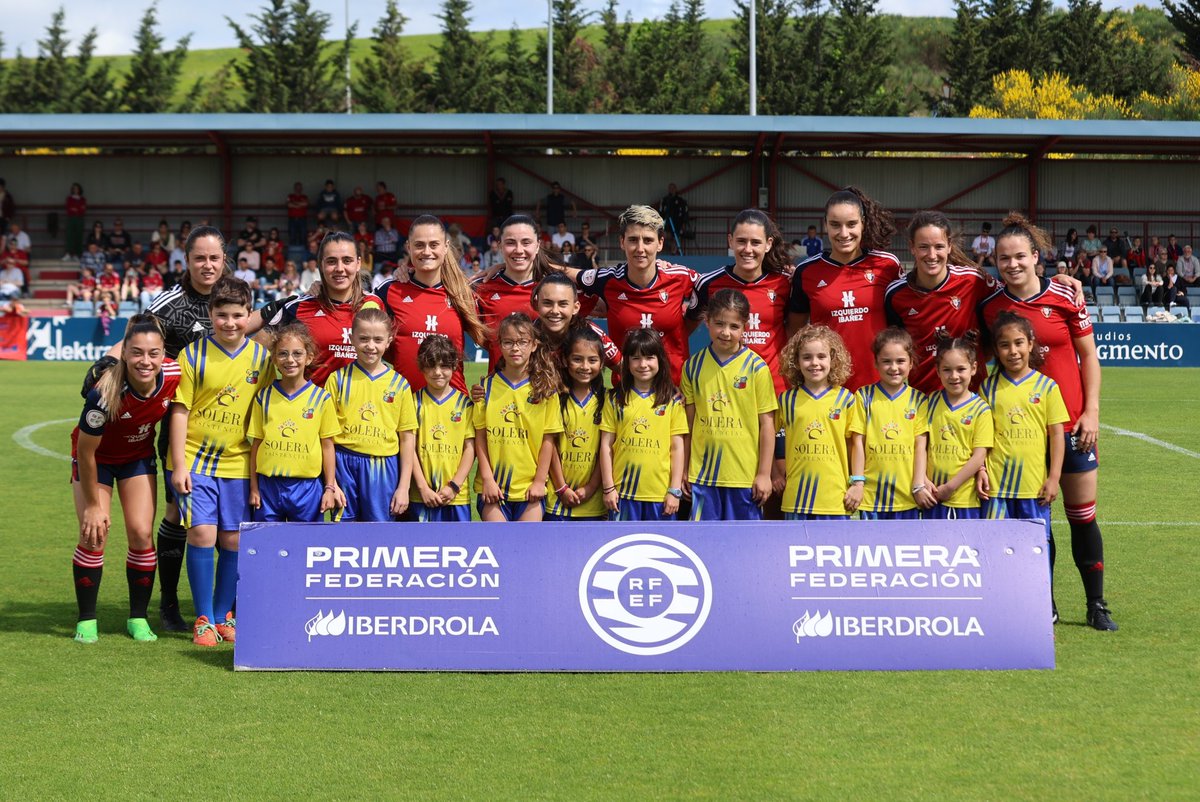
[[286, 498], [107, 474], [631, 510], [899, 515], [1075, 461], [552, 517], [941, 512], [448, 514], [223, 503], [369, 484], [511, 510], [711, 503], [1019, 508], [808, 516]]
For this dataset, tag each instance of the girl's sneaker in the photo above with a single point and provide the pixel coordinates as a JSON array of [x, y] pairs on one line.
[[204, 633], [227, 629]]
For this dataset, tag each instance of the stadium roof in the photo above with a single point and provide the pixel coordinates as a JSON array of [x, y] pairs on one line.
[[515, 132]]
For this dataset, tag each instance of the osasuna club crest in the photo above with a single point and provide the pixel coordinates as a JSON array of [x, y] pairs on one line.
[[870, 275], [956, 302], [664, 295], [1046, 311], [771, 295]]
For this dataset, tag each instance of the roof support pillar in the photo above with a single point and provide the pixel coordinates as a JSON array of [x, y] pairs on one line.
[[226, 181]]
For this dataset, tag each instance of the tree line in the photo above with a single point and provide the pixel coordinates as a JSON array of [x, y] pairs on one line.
[[823, 57]]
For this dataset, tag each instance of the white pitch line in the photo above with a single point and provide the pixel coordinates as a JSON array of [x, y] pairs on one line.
[[1145, 438], [24, 438]]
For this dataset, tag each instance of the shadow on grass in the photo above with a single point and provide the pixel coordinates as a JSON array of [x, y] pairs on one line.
[[43, 618], [217, 657]]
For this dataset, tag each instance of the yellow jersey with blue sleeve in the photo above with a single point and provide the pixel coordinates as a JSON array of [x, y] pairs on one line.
[[728, 398], [817, 456], [514, 425], [218, 387], [443, 428], [954, 432], [578, 446], [1023, 411], [372, 410], [291, 428], [890, 426], [642, 442]]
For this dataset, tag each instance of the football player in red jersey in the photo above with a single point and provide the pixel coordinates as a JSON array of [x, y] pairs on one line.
[[435, 300], [114, 445], [760, 271], [328, 312], [843, 288], [1064, 330], [644, 292]]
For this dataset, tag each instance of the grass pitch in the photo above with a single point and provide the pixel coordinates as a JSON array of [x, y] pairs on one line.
[[1118, 719]]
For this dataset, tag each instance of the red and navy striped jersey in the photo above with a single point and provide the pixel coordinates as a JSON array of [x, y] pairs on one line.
[[330, 327], [497, 298], [418, 311], [131, 436], [1058, 321], [948, 308], [848, 299]]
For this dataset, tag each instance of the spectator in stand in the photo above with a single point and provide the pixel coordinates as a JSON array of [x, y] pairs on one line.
[[500, 203], [493, 256], [366, 257], [131, 285], [109, 280], [585, 237], [82, 290], [1137, 256], [555, 205], [136, 258], [1117, 251], [316, 237], [163, 236], [1082, 270], [12, 280], [329, 205], [1174, 290], [177, 253], [309, 275], [153, 284], [1160, 260], [289, 280], [812, 243], [561, 236], [385, 204], [16, 256], [268, 280], [1152, 288], [493, 235], [273, 248], [250, 238], [358, 208], [93, 258], [1071, 250], [1090, 244], [76, 211], [675, 213], [470, 262], [387, 243], [585, 259], [120, 242], [458, 238], [1174, 251], [8, 206], [107, 310], [566, 254], [246, 273], [385, 274], [175, 275], [1188, 267], [983, 249], [250, 256], [363, 235], [1102, 271], [297, 214], [21, 238], [1152, 248]]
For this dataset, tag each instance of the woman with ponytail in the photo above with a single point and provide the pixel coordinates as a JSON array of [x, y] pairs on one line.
[[436, 300], [1063, 330], [114, 445], [843, 287]]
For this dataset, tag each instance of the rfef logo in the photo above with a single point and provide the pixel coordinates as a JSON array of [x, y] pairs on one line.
[[645, 594]]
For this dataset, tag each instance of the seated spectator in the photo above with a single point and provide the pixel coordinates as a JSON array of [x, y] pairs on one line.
[[984, 247], [386, 269], [387, 243], [268, 281], [245, 272], [493, 236], [566, 253], [175, 275], [585, 259], [1117, 251], [1083, 272], [1188, 267], [21, 238], [120, 243], [107, 310], [457, 238], [365, 256], [1137, 256], [1091, 243], [316, 236], [493, 255], [309, 275], [12, 282], [362, 234], [1152, 288], [357, 207], [385, 204], [1161, 261], [1102, 271], [136, 259], [153, 284], [15, 256], [470, 261], [163, 236], [82, 290], [297, 214], [157, 258], [250, 238], [1071, 249], [1174, 251], [251, 257], [289, 280], [97, 236], [561, 235], [109, 279], [1174, 290], [329, 205], [813, 244], [92, 258], [131, 285], [273, 247]]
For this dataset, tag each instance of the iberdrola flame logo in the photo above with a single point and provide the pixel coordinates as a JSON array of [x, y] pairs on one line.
[[325, 624]]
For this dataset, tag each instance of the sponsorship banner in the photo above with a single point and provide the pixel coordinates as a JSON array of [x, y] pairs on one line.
[[1147, 345], [729, 596], [72, 339], [12, 337]]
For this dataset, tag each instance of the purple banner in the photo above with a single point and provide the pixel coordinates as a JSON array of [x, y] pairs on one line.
[[764, 596]]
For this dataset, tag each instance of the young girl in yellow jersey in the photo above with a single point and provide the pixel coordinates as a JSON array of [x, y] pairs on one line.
[[824, 474], [1025, 463], [960, 434], [375, 451], [575, 470], [292, 425], [643, 422], [209, 456], [893, 425], [516, 425], [445, 437], [730, 400]]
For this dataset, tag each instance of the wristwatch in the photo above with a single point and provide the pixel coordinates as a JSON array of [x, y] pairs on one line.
[[675, 491]]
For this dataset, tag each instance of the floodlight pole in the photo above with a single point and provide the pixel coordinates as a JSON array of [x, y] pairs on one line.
[[753, 58], [349, 98], [549, 56]]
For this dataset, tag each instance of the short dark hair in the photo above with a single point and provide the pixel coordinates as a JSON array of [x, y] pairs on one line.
[[230, 291]]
